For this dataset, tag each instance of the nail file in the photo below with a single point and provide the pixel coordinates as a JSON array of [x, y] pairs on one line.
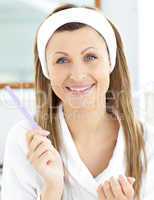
[[22, 108]]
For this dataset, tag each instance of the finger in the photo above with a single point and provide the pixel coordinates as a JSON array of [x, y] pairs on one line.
[[37, 141], [107, 190], [46, 158], [101, 195], [42, 149], [39, 131], [38, 162], [126, 187], [116, 188], [29, 137]]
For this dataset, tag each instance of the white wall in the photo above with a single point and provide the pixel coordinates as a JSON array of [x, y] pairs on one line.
[[146, 61], [124, 14], [134, 18]]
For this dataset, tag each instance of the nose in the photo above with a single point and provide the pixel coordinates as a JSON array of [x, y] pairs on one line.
[[78, 73], [78, 77]]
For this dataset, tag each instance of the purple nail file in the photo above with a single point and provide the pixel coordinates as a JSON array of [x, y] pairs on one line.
[[22, 108]]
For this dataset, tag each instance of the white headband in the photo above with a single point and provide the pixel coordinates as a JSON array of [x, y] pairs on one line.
[[87, 16]]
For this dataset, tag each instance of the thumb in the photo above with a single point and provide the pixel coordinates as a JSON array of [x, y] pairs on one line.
[[29, 137], [131, 180]]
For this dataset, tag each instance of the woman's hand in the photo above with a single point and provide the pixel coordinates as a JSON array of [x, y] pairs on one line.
[[117, 190], [45, 158]]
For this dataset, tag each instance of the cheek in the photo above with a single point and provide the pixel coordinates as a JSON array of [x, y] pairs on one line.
[[57, 76], [102, 71], [57, 83], [103, 80]]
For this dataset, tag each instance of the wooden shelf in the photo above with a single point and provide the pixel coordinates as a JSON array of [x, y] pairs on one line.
[[98, 3], [18, 85]]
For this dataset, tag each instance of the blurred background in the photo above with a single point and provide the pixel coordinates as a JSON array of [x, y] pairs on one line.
[[19, 20]]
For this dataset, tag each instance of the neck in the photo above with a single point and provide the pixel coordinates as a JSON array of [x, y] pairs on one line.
[[88, 123]]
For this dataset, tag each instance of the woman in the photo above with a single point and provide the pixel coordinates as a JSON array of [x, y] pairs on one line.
[[90, 145]]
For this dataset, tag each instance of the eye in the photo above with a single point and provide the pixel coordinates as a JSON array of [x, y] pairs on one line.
[[60, 60], [91, 57]]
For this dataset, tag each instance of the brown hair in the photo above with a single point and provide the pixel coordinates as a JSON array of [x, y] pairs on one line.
[[120, 85]]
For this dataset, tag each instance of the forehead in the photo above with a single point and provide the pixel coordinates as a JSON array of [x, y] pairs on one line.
[[79, 38]]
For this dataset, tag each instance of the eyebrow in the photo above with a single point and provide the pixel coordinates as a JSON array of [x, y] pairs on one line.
[[61, 52]]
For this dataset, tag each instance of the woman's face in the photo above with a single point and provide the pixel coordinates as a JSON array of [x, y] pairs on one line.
[[78, 60]]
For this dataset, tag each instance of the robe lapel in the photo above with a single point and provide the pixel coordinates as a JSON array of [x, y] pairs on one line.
[[75, 166]]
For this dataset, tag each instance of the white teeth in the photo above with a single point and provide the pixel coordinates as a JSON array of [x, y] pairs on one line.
[[79, 89]]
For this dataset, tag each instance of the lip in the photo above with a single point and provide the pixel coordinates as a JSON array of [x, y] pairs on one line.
[[77, 92]]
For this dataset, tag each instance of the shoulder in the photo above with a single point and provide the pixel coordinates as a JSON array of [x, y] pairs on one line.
[[15, 156], [17, 136]]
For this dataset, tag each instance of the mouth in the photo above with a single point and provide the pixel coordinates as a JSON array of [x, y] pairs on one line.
[[81, 90]]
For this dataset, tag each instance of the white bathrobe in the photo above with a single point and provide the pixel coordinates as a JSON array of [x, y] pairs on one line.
[[20, 181]]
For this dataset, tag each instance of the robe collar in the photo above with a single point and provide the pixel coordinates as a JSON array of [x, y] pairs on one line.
[[75, 167]]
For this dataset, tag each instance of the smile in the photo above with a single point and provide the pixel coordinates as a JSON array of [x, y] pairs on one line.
[[80, 91]]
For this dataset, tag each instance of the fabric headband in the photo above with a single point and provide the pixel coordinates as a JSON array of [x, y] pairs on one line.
[[93, 18]]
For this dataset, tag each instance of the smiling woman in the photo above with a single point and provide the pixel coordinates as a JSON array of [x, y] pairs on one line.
[[80, 68], [90, 145]]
